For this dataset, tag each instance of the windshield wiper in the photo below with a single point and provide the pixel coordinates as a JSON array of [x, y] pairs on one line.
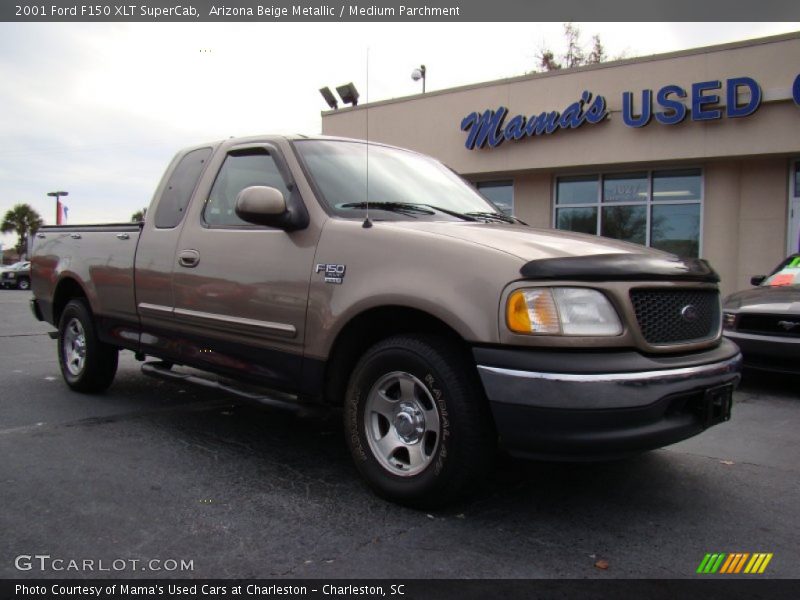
[[409, 208], [497, 216], [399, 207]]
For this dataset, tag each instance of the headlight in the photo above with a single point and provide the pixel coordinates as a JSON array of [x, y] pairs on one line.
[[561, 311], [728, 320]]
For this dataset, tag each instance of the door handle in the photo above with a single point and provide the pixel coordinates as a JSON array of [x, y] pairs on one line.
[[123, 236], [75, 236], [188, 258]]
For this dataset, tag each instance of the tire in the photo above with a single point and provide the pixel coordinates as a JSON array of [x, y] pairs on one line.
[[24, 283], [87, 364], [417, 421]]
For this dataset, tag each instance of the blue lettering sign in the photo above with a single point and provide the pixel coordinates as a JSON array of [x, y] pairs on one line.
[[627, 109], [543, 123], [675, 111], [487, 127], [700, 101], [735, 109], [796, 90], [484, 128]]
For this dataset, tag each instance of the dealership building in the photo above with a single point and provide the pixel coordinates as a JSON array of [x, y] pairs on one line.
[[694, 152]]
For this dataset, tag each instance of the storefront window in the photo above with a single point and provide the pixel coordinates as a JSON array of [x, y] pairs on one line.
[[582, 220], [797, 179], [676, 185], [661, 209], [676, 228], [625, 188], [626, 223], [501, 193], [577, 190]]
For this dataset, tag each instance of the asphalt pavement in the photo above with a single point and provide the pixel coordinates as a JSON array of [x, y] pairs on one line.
[[160, 471]]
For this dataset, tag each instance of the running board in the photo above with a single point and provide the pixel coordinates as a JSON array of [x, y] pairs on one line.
[[274, 399]]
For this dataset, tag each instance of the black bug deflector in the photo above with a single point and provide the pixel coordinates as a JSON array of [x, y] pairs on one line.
[[621, 267]]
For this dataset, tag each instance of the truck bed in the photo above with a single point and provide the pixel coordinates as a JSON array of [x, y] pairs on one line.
[[101, 256]]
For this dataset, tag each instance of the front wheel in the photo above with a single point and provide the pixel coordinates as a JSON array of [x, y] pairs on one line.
[[87, 364], [417, 421], [24, 283]]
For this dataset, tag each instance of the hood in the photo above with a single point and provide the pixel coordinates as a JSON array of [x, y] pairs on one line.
[[777, 299], [550, 254], [525, 242]]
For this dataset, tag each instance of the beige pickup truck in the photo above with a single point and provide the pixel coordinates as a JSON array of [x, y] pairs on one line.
[[307, 272]]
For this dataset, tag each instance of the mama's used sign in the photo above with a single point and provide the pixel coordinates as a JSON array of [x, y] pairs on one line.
[[670, 105]]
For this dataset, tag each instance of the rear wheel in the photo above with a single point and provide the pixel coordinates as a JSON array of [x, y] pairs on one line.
[[87, 364], [417, 422], [24, 283]]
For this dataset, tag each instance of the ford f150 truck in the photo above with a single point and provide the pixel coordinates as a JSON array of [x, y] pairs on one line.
[[320, 271]]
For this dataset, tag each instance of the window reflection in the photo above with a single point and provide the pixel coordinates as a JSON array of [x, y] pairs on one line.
[[658, 208], [501, 193], [577, 190], [676, 185], [625, 188]]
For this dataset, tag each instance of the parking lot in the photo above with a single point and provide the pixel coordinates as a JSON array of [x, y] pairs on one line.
[[155, 470]]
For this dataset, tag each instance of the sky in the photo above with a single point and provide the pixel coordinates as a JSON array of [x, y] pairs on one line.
[[99, 109]]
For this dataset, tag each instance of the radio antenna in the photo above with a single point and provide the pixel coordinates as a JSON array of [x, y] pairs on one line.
[[367, 223]]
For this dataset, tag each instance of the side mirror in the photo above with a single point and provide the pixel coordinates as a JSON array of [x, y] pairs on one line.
[[757, 279], [262, 205]]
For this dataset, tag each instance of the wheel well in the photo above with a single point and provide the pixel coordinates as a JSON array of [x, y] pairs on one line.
[[66, 290], [367, 329]]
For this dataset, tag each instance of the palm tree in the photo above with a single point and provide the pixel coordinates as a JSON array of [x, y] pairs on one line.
[[139, 215], [23, 220]]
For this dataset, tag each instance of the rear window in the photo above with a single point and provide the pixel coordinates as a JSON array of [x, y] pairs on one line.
[[180, 187]]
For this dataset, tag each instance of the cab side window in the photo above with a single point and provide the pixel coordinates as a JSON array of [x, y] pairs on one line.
[[180, 187], [240, 170]]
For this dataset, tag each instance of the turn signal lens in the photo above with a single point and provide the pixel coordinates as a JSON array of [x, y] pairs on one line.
[[532, 311]]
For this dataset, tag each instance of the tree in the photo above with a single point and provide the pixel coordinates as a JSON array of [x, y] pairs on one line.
[[575, 55], [598, 53], [23, 220], [547, 61], [139, 215]]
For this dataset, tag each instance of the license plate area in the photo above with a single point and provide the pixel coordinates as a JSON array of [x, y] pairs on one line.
[[716, 407]]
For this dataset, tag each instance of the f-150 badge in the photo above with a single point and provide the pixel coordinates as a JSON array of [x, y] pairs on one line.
[[333, 273]]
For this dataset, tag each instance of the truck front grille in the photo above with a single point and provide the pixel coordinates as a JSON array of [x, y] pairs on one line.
[[676, 316], [780, 325]]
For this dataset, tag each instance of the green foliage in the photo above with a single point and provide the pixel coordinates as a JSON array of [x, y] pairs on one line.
[[139, 215], [24, 221], [575, 55]]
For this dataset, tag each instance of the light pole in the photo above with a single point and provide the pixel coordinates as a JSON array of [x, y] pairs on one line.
[[57, 196], [418, 74]]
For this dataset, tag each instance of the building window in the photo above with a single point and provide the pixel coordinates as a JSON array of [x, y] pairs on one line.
[[661, 209], [501, 193], [797, 179]]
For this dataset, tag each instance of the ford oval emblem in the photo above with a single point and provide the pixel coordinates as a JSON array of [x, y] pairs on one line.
[[689, 313]]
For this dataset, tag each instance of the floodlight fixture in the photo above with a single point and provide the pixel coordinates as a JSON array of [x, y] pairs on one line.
[[348, 93], [418, 74], [329, 97]]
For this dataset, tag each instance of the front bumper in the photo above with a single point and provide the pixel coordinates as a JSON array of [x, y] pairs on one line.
[[600, 405], [767, 352]]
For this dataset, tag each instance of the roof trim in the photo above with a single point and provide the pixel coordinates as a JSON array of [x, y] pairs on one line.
[[773, 39]]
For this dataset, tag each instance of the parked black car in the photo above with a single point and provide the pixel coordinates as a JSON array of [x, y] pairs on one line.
[[17, 276], [765, 321]]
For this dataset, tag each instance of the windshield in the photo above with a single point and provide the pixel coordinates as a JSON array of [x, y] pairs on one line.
[[788, 273], [399, 181]]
